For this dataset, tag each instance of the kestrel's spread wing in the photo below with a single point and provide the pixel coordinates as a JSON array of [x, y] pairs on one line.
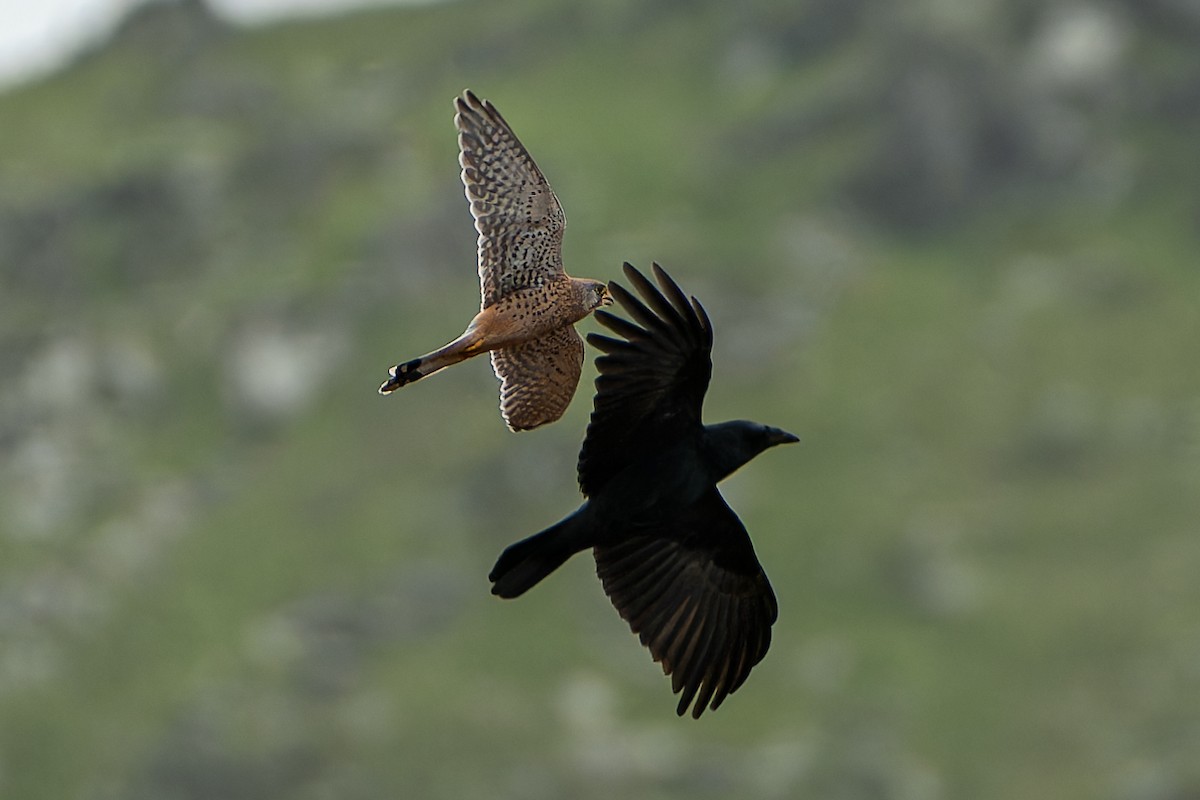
[[538, 378], [694, 593], [519, 220], [651, 384]]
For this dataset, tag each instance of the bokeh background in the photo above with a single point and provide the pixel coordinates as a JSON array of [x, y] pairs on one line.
[[952, 245]]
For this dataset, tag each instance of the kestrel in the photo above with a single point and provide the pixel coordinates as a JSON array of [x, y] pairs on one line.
[[528, 304], [674, 559]]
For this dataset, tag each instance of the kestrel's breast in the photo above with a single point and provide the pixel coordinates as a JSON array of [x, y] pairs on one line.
[[530, 312]]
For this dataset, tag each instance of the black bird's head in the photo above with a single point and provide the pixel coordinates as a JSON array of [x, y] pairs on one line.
[[729, 445]]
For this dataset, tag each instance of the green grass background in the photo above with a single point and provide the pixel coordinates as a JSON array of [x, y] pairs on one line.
[[954, 255]]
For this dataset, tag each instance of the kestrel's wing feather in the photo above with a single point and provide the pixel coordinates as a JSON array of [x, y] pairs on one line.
[[538, 378], [651, 382], [694, 593], [519, 220]]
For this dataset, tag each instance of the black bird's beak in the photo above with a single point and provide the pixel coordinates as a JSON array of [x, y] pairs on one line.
[[778, 436]]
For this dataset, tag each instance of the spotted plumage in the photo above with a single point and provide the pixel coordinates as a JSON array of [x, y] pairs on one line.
[[528, 304]]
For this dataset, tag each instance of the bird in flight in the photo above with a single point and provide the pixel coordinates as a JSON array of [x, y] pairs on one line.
[[528, 304], [672, 556]]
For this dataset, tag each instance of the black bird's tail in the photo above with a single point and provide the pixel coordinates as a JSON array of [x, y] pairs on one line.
[[522, 565]]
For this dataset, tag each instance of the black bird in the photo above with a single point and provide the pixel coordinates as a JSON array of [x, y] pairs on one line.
[[673, 557]]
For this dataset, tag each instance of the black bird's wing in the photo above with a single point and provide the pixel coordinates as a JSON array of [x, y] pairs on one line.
[[651, 383], [694, 593]]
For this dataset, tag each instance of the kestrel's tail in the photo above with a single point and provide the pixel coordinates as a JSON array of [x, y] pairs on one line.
[[522, 565], [406, 372], [402, 375]]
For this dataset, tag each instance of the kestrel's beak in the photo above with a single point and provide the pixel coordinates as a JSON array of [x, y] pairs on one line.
[[606, 298]]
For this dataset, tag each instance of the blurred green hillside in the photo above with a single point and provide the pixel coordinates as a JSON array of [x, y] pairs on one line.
[[952, 246]]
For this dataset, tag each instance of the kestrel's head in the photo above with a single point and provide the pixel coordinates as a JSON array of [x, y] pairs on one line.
[[596, 294]]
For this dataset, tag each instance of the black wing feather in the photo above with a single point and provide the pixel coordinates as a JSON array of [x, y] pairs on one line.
[[651, 383], [695, 595]]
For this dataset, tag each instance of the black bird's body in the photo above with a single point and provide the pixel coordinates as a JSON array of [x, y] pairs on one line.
[[672, 556]]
